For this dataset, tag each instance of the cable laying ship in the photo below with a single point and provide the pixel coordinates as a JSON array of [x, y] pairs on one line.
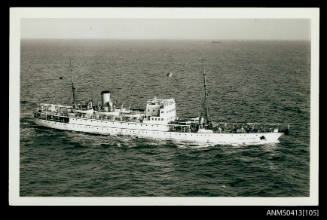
[[158, 121]]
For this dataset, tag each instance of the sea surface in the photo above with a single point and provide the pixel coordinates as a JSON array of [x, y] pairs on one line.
[[248, 81]]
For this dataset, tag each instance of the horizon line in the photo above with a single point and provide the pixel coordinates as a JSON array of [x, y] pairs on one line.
[[190, 39]]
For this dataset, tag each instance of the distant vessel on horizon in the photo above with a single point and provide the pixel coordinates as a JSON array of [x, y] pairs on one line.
[[158, 120]]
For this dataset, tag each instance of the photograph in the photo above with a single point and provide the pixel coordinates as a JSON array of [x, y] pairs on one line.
[[178, 106]]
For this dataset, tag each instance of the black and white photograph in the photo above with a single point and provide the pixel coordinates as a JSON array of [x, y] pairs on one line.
[[155, 106]]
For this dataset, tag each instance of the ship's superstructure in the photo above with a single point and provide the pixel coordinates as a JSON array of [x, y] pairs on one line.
[[158, 120]]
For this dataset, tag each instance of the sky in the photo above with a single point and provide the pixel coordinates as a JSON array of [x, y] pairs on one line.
[[191, 29]]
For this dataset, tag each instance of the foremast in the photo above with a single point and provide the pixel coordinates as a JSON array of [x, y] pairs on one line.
[[205, 110], [73, 88]]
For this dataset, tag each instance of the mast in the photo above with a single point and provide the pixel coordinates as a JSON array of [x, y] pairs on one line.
[[206, 111], [205, 101], [73, 88]]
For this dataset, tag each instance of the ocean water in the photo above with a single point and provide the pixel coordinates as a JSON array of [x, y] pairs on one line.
[[248, 81]]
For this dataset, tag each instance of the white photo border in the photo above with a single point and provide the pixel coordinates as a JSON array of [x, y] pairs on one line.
[[17, 14]]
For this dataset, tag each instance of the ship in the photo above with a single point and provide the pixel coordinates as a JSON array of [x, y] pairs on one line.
[[157, 121]]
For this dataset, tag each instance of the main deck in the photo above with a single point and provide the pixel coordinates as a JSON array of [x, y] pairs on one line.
[[80, 125]]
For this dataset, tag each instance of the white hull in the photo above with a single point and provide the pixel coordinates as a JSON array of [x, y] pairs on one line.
[[160, 132]]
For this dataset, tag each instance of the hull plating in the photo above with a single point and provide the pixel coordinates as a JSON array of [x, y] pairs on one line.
[[121, 129]]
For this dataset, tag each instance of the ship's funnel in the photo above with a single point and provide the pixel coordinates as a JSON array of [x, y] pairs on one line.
[[106, 100], [201, 121]]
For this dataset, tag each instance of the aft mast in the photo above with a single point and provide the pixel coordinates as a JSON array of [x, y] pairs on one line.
[[205, 101]]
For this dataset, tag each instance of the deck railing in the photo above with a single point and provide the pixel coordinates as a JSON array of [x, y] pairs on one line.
[[249, 127]]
